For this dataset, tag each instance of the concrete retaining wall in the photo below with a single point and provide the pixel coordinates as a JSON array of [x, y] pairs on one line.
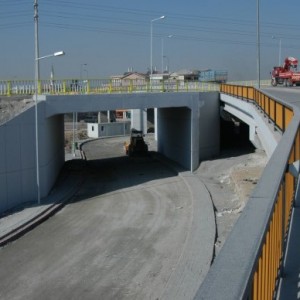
[[18, 159]]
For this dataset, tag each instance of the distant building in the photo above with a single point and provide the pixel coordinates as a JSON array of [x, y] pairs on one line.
[[185, 75], [159, 77], [209, 75], [128, 77]]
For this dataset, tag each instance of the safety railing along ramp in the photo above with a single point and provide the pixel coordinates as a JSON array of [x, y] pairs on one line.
[[251, 263]]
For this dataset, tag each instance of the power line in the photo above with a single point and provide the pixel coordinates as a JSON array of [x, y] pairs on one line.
[[89, 13]]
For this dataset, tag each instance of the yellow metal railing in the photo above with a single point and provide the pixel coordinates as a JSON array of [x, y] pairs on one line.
[[278, 113], [270, 258], [98, 86]]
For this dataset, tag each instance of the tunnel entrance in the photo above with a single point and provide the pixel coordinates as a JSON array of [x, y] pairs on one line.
[[234, 138]]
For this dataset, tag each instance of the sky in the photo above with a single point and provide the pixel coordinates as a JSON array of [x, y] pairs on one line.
[[102, 38]]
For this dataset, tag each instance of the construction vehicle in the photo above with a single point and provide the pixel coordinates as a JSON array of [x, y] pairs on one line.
[[286, 74], [137, 145]]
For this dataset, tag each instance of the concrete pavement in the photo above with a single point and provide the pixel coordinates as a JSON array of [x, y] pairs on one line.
[[181, 284], [195, 250]]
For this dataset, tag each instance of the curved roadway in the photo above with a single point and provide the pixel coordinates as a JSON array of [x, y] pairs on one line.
[[289, 94], [136, 229]]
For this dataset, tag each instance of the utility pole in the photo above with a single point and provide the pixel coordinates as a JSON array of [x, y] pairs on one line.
[[37, 77], [258, 44], [36, 39]]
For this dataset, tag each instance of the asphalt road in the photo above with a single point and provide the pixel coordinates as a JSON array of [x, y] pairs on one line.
[[290, 94], [131, 232]]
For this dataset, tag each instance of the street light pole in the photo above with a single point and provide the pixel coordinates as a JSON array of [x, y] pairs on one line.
[[279, 56], [162, 52], [75, 114], [151, 42], [258, 45], [168, 63], [37, 74], [151, 68], [36, 39], [81, 70]]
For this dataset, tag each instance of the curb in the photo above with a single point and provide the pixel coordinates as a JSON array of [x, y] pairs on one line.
[[19, 231], [43, 215]]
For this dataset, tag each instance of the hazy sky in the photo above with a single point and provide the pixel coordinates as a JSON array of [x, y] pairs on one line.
[[105, 37]]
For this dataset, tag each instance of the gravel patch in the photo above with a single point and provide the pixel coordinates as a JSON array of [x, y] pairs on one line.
[[230, 181], [13, 106]]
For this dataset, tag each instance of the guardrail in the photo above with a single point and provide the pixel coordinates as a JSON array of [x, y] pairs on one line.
[[251, 262], [278, 113], [98, 86]]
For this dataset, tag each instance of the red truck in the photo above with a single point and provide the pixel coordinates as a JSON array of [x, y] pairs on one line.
[[287, 74]]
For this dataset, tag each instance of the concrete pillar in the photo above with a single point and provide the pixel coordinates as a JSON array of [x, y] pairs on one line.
[[139, 119]]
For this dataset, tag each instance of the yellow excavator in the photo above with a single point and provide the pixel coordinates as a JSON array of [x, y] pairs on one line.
[[137, 145]]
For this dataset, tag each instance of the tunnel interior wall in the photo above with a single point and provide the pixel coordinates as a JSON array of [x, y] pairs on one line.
[[18, 157], [209, 126], [174, 134], [188, 135], [52, 151]]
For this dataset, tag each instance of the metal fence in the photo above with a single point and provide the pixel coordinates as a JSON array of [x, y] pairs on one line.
[[251, 262], [97, 86]]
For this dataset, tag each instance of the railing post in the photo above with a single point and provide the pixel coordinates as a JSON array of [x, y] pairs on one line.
[[275, 116], [64, 87], [110, 87], [281, 267], [131, 86], [283, 119], [39, 87], [88, 86], [8, 88], [177, 86]]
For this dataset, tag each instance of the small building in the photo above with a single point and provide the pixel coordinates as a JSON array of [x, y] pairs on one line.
[[128, 78], [98, 130], [185, 75]]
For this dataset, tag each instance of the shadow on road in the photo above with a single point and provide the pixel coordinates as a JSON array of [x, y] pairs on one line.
[[109, 175]]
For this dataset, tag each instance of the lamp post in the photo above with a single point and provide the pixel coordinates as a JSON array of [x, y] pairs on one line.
[[162, 52], [81, 70], [37, 59], [151, 42], [258, 44], [279, 56], [168, 62], [75, 115]]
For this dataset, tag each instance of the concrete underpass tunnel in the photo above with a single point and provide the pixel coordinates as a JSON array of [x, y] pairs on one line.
[[234, 136]]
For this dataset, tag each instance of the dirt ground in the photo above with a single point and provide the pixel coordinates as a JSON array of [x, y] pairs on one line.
[[230, 179]]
